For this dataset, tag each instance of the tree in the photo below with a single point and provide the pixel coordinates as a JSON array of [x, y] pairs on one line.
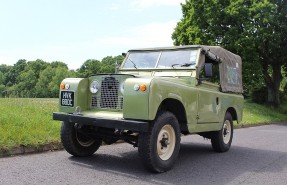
[[27, 83], [12, 72], [42, 86], [57, 64], [2, 78], [256, 30], [2, 86], [36, 66], [89, 67], [60, 74], [109, 63]]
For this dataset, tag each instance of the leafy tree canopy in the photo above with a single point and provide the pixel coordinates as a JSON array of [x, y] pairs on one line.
[[256, 30], [42, 79]]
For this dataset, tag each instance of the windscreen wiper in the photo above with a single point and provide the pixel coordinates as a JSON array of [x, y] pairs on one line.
[[187, 64], [135, 66], [183, 65]]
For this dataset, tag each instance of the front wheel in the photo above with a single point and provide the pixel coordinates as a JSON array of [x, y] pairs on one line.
[[76, 141], [221, 140], [159, 147]]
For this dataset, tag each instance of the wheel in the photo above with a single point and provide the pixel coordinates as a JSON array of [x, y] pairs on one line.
[[221, 140], [76, 142], [159, 147]]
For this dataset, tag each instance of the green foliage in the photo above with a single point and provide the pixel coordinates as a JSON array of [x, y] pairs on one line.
[[60, 73], [2, 78], [89, 68], [2, 81], [42, 79], [109, 63], [256, 30], [92, 67], [259, 95]]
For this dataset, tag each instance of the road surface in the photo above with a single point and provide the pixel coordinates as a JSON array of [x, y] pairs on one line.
[[258, 156]]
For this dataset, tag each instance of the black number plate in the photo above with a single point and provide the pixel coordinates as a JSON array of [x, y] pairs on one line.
[[67, 98]]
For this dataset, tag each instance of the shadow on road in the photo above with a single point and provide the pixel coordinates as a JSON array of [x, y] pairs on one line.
[[197, 164]]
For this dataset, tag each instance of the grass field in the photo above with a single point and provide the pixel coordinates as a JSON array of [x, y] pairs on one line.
[[28, 122]]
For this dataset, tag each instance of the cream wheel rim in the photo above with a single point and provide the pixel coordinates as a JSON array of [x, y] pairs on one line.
[[226, 131], [166, 142], [83, 140]]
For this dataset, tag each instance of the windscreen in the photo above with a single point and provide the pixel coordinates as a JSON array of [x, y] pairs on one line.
[[180, 58], [161, 59], [141, 60]]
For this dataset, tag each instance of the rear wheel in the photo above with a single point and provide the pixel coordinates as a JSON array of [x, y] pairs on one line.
[[222, 139], [76, 142], [159, 147]]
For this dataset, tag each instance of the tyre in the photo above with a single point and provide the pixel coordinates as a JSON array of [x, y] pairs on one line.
[[159, 147], [222, 139], [76, 142]]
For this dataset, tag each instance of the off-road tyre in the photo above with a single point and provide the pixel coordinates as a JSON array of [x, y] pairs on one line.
[[221, 140], [76, 143], [159, 147]]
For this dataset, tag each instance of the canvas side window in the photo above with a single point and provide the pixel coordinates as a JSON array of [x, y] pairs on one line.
[[232, 75]]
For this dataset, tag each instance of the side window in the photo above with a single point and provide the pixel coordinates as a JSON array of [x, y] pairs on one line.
[[215, 78], [232, 75]]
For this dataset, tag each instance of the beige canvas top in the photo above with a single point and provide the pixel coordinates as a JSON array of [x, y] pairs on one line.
[[230, 67]]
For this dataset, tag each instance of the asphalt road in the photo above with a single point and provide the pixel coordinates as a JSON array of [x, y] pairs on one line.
[[258, 156]]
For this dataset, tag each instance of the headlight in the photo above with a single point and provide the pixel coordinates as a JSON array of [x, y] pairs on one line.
[[94, 87], [122, 87]]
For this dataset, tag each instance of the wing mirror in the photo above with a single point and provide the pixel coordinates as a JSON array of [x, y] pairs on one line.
[[208, 70]]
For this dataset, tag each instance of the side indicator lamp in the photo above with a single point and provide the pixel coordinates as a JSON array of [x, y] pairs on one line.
[[62, 86], [142, 87]]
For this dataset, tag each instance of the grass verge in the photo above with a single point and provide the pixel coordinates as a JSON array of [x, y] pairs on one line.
[[255, 114], [27, 122]]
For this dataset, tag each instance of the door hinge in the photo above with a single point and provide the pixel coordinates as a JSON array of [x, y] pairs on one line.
[[197, 116]]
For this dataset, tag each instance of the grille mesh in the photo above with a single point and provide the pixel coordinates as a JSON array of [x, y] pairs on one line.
[[109, 98]]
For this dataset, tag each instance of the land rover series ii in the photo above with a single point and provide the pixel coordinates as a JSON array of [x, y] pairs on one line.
[[157, 95]]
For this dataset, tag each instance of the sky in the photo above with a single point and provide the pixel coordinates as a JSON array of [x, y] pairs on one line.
[[72, 31]]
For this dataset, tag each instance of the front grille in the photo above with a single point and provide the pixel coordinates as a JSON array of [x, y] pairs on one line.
[[109, 98], [96, 103], [109, 93]]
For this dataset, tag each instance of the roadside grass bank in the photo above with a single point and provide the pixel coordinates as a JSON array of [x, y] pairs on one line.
[[254, 114], [26, 124]]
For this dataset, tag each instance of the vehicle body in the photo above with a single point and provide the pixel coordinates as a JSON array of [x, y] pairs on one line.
[[156, 95]]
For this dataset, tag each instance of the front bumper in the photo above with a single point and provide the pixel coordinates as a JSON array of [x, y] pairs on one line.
[[138, 126]]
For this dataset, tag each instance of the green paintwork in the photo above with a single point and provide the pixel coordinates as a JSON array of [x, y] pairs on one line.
[[79, 87], [136, 103], [204, 104]]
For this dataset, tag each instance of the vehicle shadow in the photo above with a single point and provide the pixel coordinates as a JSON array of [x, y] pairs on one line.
[[196, 164]]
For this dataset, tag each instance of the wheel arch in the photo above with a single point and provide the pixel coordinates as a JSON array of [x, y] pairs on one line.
[[177, 108], [233, 113]]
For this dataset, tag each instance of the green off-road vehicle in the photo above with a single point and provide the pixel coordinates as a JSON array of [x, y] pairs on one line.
[[156, 95]]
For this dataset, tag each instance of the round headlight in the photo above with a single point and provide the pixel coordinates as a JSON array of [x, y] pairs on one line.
[[94, 87], [122, 87], [67, 86]]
